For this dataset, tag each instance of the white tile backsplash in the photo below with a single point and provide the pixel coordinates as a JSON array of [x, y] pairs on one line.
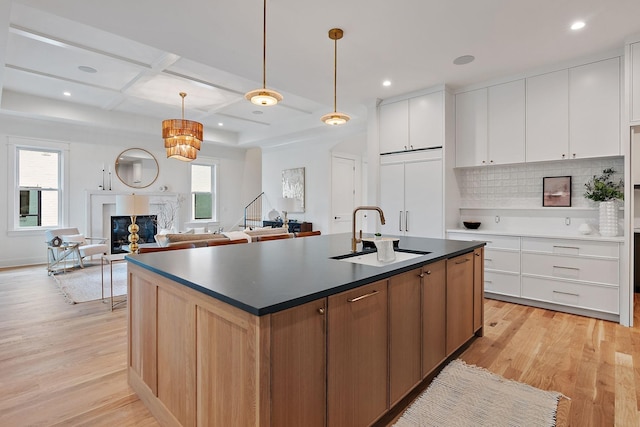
[[520, 186]]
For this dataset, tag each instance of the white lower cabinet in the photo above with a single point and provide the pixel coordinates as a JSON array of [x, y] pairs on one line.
[[574, 275], [570, 293]]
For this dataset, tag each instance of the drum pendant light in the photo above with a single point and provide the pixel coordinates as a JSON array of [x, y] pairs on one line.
[[182, 138], [264, 97], [335, 118]]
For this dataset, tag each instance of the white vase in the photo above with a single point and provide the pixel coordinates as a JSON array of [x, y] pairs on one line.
[[609, 218]]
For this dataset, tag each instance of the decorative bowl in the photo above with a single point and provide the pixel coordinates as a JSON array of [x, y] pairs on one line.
[[472, 225]]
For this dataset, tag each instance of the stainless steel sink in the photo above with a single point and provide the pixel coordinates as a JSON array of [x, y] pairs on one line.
[[371, 257]]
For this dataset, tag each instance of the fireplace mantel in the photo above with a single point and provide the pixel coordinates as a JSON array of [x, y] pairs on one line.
[[101, 205]]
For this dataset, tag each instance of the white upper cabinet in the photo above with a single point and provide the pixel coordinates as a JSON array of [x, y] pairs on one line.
[[548, 116], [426, 121], [471, 128], [506, 123], [412, 124], [634, 114], [394, 127], [594, 109]]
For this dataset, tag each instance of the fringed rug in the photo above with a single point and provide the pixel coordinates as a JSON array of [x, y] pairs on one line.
[[83, 284], [466, 395]]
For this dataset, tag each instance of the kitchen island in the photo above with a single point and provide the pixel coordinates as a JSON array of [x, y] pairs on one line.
[[278, 333]]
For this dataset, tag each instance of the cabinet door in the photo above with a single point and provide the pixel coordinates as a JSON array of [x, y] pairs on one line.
[[404, 334], [357, 377], [426, 121], [471, 128], [298, 366], [635, 83], [394, 126], [459, 301], [548, 116], [142, 330], [506, 123], [433, 316], [594, 109], [478, 290], [423, 203], [392, 198]]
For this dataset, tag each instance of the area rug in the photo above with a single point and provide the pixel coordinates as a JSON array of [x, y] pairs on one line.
[[83, 284], [466, 395]]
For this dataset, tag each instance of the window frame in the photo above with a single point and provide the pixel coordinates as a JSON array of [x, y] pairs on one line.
[[215, 203], [13, 201]]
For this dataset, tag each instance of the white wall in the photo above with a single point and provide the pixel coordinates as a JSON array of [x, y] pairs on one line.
[[315, 157], [89, 148]]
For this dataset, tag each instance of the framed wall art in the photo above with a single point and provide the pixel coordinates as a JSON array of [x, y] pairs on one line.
[[556, 191], [293, 187]]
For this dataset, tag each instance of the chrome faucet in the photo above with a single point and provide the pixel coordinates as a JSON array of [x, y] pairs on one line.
[[354, 240]]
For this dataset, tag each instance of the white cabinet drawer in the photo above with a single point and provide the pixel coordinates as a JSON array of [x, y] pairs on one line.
[[580, 295], [571, 247], [502, 283], [492, 241], [574, 268], [496, 259]]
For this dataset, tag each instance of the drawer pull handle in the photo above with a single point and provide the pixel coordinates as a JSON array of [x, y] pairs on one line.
[[361, 297], [566, 293], [567, 247], [463, 261], [567, 268]]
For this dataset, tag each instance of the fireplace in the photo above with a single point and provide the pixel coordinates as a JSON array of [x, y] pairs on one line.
[[120, 232]]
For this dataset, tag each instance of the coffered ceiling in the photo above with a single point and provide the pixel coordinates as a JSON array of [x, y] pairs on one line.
[[146, 51]]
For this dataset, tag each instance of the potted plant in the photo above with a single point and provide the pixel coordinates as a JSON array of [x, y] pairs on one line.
[[606, 191]]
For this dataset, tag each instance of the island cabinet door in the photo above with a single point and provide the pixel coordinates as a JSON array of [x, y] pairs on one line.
[[142, 330], [434, 318], [298, 366], [357, 377], [404, 334], [459, 301]]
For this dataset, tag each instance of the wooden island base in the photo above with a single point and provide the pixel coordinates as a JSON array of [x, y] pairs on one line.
[[345, 359]]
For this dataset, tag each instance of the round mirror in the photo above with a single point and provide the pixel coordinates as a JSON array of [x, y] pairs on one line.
[[137, 168]]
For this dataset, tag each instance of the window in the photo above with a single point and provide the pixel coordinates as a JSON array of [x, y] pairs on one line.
[[38, 173], [203, 191]]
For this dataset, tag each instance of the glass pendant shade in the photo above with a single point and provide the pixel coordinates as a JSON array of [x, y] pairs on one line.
[[182, 138]]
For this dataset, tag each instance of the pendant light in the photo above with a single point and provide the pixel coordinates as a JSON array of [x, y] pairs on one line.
[[335, 118], [182, 138], [264, 97]]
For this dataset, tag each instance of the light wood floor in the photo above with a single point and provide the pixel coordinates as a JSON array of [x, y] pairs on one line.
[[64, 364]]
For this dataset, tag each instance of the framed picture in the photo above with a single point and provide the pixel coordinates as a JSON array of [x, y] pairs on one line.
[[293, 187], [556, 191]]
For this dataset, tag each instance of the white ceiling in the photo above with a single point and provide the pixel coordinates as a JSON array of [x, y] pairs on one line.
[[146, 51]]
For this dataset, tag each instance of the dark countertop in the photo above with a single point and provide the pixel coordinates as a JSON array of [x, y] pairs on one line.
[[267, 277]]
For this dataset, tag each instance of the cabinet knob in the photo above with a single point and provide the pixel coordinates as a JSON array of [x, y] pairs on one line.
[[574, 155], [405, 147], [491, 161], [563, 156], [428, 272], [421, 275], [321, 310], [477, 253], [483, 162]]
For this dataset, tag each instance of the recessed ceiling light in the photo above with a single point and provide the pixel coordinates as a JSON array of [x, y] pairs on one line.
[[257, 112], [386, 83], [464, 59], [577, 25], [66, 93], [87, 69], [220, 124]]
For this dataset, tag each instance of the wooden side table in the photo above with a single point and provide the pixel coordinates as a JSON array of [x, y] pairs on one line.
[[110, 260]]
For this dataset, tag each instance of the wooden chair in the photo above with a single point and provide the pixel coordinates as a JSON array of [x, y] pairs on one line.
[[226, 242], [185, 245], [307, 233], [274, 237]]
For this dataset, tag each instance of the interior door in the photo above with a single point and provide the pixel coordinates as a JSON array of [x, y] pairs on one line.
[[392, 198], [343, 190], [423, 199]]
